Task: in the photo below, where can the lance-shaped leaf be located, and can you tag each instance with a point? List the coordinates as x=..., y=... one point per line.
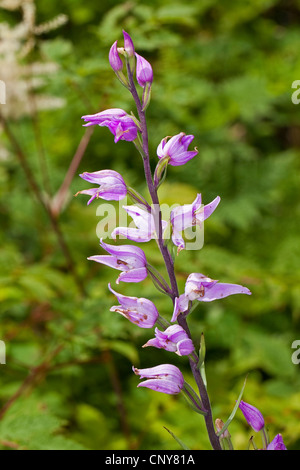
x=179, y=441
x=232, y=414
x=201, y=363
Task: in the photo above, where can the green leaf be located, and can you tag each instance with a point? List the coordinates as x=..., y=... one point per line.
x=232, y=415
x=201, y=364
x=182, y=444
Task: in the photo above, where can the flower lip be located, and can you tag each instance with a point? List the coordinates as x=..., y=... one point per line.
x=126, y=250
x=102, y=116
x=189, y=215
x=202, y=288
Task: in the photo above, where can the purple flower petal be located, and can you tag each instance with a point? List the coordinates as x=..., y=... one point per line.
x=253, y=416
x=189, y=215
x=173, y=339
x=202, y=288
x=128, y=44
x=108, y=260
x=144, y=73
x=220, y=290
x=209, y=208
x=114, y=58
x=106, y=115
x=139, y=311
x=131, y=260
x=121, y=125
x=165, y=378
x=161, y=385
x=180, y=305
x=109, y=177
x=277, y=443
x=134, y=275
x=112, y=187
x=144, y=221
x=133, y=234
x=123, y=250
x=176, y=148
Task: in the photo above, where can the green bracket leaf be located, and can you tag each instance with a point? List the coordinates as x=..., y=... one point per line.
x=233, y=411
x=182, y=444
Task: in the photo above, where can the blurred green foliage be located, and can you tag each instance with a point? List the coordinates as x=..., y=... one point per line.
x=223, y=71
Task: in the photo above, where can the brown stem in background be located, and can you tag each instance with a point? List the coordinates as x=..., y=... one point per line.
x=59, y=199
x=115, y=380
x=35, y=374
x=43, y=201
x=39, y=141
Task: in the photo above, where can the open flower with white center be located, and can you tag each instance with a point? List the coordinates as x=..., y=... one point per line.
x=173, y=339
x=176, y=149
x=189, y=215
x=144, y=222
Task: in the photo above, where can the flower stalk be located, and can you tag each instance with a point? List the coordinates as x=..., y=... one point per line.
x=168, y=258
x=175, y=335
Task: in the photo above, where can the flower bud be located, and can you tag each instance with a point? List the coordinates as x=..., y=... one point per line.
x=144, y=73
x=114, y=58
x=219, y=426
x=277, y=443
x=253, y=416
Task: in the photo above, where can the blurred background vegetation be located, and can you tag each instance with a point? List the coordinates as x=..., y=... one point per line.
x=223, y=71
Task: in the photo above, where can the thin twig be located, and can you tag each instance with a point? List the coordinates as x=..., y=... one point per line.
x=39, y=140
x=35, y=374
x=59, y=199
x=42, y=200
